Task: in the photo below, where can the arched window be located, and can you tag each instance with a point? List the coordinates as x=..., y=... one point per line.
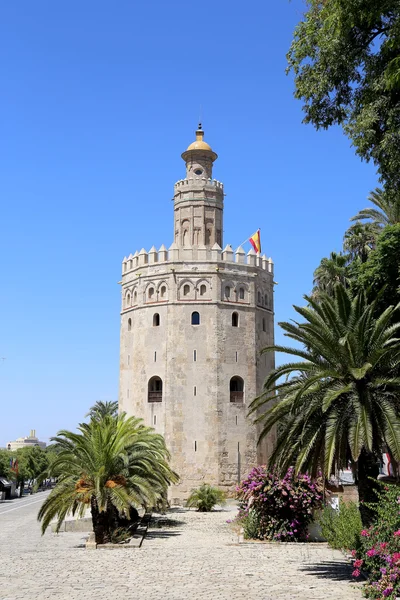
x=128, y=299
x=235, y=319
x=151, y=293
x=241, y=293
x=163, y=291
x=135, y=297
x=195, y=318
x=203, y=289
x=156, y=320
x=129, y=324
x=236, y=389
x=227, y=291
x=264, y=325
x=186, y=289
x=155, y=390
x=266, y=300
x=259, y=297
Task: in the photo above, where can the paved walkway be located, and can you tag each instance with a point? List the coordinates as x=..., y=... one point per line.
x=196, y=557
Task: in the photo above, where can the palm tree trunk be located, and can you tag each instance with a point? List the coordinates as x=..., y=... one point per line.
x=367, y=471
x=100, y=523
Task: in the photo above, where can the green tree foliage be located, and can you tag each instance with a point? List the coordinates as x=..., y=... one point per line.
x=206, y=497
x=359, y=240
x=5, y=456
x=386, y=211
x=331, y=271
x=32, y=463
x=345, y=56
x=380, y=274
x=103, y=409
x=341, y=402
x=109, y=465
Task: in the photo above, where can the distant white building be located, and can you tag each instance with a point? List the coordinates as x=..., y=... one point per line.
x=26, y=442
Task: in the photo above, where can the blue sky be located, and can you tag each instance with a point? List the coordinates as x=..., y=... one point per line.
x=97, y=102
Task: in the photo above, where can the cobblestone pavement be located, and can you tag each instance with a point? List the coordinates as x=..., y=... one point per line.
x=197, y=556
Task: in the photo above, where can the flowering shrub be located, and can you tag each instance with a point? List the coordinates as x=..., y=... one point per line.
x=277, y=508
x=378, y=548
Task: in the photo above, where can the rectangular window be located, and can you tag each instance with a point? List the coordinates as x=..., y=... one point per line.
x=194, y=355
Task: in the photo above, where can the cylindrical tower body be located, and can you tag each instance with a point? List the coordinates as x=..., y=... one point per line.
x=194, y=320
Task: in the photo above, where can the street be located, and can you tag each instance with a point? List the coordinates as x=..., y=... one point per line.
x=193, y=555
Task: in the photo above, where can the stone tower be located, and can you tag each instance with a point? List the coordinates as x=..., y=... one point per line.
x=194, y=319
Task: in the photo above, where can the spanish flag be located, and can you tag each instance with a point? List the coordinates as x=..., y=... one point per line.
x=255, y=241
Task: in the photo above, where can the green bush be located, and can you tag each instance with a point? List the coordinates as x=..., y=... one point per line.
x=341, y=527
x=205, y=498
x=251, y=525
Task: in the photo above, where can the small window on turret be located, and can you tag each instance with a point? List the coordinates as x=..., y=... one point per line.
x=163, y=291
x=151, y=293
x=198, y=172
x=227, y=292
x=203, y=290
x=241, y=293
x=186, y=290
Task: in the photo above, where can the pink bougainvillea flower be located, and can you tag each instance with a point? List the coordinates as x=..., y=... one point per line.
x=387, y=592
x=354, y=553
x=383, y=545
x=364, y=533
x=371, y=552
x=356, y=573
x=358, y=563
x=397, y=533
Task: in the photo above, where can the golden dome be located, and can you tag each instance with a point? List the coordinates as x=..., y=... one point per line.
x=199, y=144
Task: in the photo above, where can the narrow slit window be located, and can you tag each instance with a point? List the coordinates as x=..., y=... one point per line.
x=129, y=359
x=236, y=420
x=155, y=356
x=194, y=355
x=127, y=393
x=235, y=319
x=195, y=391
x=129, y=324
x=264, y=325
x=156, y=320
x=195, y=446
x=155, y=420
x=236, y=356
x=241, y=294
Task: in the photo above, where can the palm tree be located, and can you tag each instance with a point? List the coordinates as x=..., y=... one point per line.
x=386, y=213
x=341, y=403
x=101, y=409
x=360, y=239
x=110, y=465
x=331, y=270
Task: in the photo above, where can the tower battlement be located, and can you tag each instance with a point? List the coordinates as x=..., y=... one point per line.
x=196, y=254
x=200, y=181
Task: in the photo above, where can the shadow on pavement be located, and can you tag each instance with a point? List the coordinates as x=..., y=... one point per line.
x=337, y=571
x=155, y=535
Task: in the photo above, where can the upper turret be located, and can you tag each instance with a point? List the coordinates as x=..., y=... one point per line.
x=198, y=199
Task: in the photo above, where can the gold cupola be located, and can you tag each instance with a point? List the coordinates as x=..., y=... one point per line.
x=199, y=146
